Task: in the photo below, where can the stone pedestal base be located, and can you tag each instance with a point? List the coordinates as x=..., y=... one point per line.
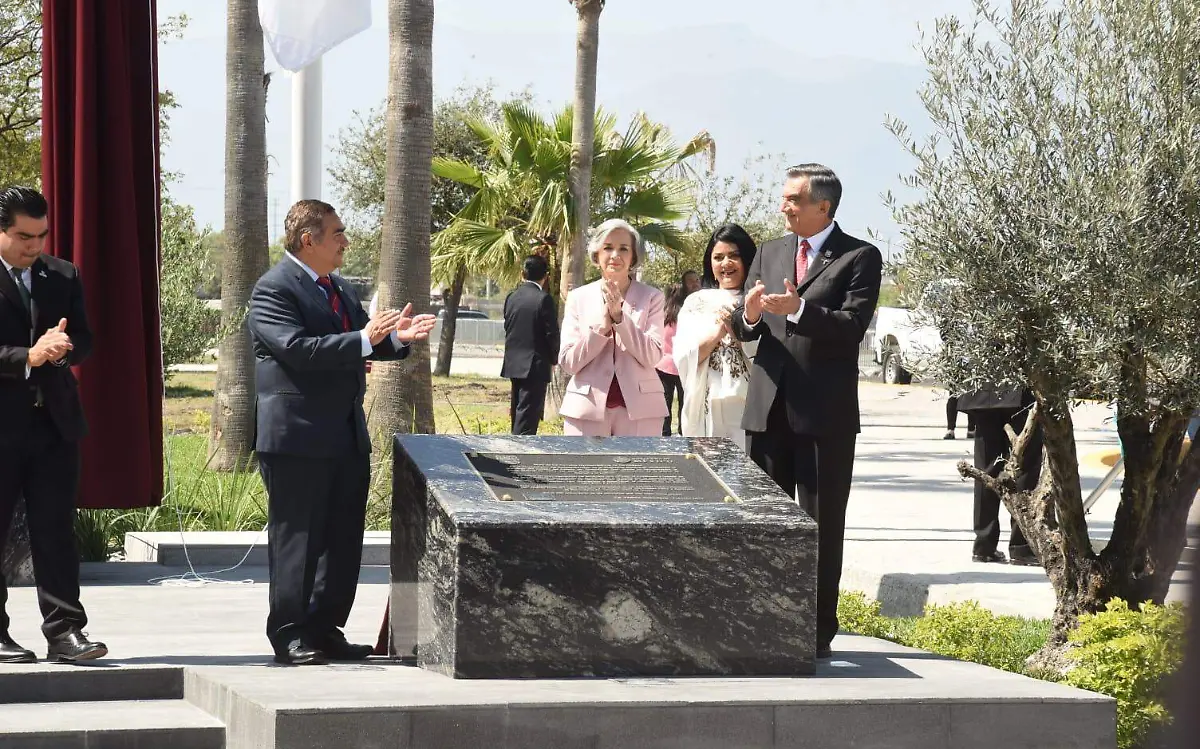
x=511, y=589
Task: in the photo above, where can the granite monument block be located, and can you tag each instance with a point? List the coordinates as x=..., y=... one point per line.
x=570, y=556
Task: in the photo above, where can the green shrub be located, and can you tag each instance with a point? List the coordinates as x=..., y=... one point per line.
x=969, y=632
x=1128, y=655
x=860, y=615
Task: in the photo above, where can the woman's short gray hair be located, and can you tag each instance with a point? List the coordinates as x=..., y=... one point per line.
x=600, y=233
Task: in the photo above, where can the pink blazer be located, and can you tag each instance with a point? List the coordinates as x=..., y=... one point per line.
x=631, y=352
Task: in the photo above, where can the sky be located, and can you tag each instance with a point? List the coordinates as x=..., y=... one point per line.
x=809, y=80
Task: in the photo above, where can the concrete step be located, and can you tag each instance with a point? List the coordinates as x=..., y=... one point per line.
x=149, y=724
x=54, y=682
x=225, y=549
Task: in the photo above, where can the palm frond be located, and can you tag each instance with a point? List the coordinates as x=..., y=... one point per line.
x=664, y=235
x=458, y=171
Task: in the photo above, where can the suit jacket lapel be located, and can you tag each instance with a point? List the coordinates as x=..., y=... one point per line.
x=830, y=251
x=8, y=287
x=789, y=271
x=38, y=281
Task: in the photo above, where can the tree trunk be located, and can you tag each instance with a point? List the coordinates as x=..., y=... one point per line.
x=231, y=439
x=583, y=130
x=450, y=323
x=1141, y=556
x=403, y=397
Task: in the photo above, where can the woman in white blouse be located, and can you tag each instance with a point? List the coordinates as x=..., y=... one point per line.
x=714, y=366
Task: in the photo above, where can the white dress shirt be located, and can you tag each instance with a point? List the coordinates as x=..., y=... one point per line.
x=367, y=348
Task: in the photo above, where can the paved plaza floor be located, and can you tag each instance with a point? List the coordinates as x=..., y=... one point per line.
x=199, y=654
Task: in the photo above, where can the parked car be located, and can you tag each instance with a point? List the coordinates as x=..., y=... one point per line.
x=466, y=314
x=907, y=340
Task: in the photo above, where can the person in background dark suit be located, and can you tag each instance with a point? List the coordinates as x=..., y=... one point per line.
x=991, y=410
x=809, y=298
x=311, y=342
x=530, y=345
x=43, y=333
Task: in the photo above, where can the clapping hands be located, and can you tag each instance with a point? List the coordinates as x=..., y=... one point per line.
x=52, y=346
x=613, y=301
x=757, y=301
x=408, y=329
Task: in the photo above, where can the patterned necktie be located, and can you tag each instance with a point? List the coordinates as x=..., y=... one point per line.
x=335, y=302
x=802, y=261
x=22, y=290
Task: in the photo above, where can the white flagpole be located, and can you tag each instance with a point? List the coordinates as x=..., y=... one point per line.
x=306, y=132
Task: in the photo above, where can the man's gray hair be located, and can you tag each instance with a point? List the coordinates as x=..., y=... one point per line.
x=600, y=233
x=823, y=184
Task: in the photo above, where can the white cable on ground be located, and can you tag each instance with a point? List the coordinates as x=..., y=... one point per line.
x=192, y=578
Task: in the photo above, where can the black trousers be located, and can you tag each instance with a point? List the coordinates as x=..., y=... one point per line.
x=952, y=415
x=316, y=513
x=818, y=469
x=526, y=404
x=44, y=469
x=671, y=385
x=992, y=448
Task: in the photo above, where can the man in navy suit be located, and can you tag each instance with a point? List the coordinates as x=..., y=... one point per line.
x=311, y=343
x=530, y=345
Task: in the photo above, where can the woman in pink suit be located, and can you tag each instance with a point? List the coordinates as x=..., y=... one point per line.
x=612, y=338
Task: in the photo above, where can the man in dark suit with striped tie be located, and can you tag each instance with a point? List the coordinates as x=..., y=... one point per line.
x=311, y=343
x=810, y=296
x=43, y=332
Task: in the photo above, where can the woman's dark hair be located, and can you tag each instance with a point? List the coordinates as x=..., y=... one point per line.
x=736, y=236
x=676, y=294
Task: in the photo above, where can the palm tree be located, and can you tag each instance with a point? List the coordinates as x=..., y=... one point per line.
x=587, y=42
x=245, y=258
x=402, y=400
x=522, y=201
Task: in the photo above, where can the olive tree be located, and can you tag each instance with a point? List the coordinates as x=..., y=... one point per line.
x=1060, y=192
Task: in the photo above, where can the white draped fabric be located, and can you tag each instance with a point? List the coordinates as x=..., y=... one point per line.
x=714, y=389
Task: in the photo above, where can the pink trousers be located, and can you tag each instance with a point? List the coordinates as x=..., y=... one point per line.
x=616, y=423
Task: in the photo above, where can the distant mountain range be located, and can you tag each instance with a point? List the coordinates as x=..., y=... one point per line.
x=752, y=93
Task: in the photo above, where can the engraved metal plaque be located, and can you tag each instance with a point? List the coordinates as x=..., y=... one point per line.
x=600, y=477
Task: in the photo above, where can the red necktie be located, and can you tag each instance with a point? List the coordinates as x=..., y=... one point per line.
x=335, y=302
x=802, y=261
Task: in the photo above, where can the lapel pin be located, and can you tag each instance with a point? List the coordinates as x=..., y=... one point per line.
x=42, y=273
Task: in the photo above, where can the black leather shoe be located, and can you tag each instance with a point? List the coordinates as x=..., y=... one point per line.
x=339, y=650
x=299, y=654
x=11, y=652
x=1028, y=559
x=995, y=557
x=74, y=646
x=824, y=652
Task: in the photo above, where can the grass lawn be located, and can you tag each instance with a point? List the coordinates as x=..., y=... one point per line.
x=461, y=404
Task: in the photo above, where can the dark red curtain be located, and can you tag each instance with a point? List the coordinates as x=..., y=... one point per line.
x=100, y=175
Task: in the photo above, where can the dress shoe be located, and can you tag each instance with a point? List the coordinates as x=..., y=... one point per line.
x=824, y=652
x=11, y=652
x=1027, y=559
x=970, y=434
x=74, y=646
x=299, y=654
x=995, y=557
x=949, y=435
x=339, y=650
